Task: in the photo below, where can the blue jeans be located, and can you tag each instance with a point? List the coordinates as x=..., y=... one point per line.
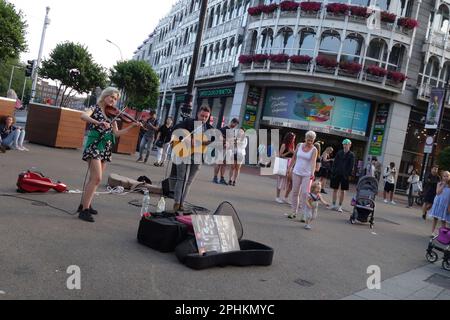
x=146, y=144
x=14, y=139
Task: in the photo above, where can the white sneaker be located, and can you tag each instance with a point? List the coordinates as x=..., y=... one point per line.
x=308, y=227
x=340, y=210
x=385, y=201
x=333, y=207
x=279, y=200
x=24, y=149
x=393, y=203
x=288, y=201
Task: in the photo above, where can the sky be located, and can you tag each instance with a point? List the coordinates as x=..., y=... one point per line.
x=90, y=22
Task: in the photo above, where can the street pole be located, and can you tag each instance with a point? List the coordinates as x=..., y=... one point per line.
x=120, y=50
x=122, y=93
x=41, y=49
x=186, y=110
x=11, y=78
x=23, y=91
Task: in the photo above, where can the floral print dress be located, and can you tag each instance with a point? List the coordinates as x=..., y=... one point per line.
x=100, y=140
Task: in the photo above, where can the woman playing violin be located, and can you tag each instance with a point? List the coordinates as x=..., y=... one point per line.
x=102, y=135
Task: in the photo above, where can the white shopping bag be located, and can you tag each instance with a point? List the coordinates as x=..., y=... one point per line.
x=280, y=167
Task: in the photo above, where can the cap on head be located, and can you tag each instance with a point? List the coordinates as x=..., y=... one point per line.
x=346, y=142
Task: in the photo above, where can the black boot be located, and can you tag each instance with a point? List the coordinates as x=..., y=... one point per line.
x=86, y=216
x=91, y=210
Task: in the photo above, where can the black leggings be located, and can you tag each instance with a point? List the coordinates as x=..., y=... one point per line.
x=411, y=198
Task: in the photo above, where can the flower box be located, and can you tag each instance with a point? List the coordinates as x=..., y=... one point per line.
x=357, y=11
x=397, y=77
x=310, y=7
x=301, y=59
x=376, y=71
x=338, y=8
x=350, y=67
x=407, y=23
x=289, y=6
x=270, y=8
x=325, y=62
x=260, y=58
x=388, y=17
x=245, y=59
x=279, y=58
x=255, y=11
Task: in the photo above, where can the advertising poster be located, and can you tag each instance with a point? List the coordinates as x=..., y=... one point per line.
x=316, y=111
x=379, y=130
x=435, y=108
x=251, y=108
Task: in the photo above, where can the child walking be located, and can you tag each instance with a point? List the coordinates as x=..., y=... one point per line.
x=439, y=211
x=312, y=204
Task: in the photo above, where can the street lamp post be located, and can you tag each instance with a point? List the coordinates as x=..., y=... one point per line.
x=41, y=48
x=186, y=110
x=120, y=50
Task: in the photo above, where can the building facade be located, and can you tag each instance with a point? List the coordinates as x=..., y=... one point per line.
x=362, y=69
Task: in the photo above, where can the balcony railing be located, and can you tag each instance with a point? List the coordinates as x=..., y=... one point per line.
x=223, y=28
x=329, y=16
x=225, y=68
x=337, y=73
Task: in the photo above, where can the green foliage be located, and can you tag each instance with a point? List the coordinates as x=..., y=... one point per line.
x=140, y=83
x=444, y=159
x=18, y=79
x=12, y=34
x=70, y=56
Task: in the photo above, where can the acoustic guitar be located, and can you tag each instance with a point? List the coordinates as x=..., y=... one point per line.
x=189, y=145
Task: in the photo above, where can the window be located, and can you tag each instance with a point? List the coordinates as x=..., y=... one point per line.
x=396, y=58
x=254, y=42
x=284, y=41
x=352, y=47
x=266, y=40
x=330, y=43
x=441, y=19
x=377, y=52
x=307, y=42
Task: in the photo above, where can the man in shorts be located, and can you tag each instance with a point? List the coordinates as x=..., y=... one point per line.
x=340, y=174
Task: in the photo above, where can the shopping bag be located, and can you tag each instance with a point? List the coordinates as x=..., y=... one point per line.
x=280, y=167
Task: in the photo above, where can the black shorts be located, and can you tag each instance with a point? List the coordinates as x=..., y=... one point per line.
x=339, y=181
x=429, y=197
x=389, y=187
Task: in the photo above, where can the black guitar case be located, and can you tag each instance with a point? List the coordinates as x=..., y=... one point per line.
x=162, y=233
x=251, y=253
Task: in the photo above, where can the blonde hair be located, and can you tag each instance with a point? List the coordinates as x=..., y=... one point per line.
x=110, y=91
x=442, y=175
x=316, y=186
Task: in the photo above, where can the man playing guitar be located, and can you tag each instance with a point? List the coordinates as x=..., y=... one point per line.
x=187, y=172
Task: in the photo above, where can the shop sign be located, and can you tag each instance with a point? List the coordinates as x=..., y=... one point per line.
x=223, y=92
x=429, y=145
x=251, y=108
x=379, y=130
x=318, y=111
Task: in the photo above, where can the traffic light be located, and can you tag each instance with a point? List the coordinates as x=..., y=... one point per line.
x=29, y=69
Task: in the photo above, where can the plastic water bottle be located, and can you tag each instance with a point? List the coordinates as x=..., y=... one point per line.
x=145, y=204
x=161, y=206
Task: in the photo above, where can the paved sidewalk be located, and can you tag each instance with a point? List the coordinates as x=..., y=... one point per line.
x=427, y=283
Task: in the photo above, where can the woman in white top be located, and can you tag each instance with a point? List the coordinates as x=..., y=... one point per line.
x=239, y=152
x=414, y=187
x=302, y=169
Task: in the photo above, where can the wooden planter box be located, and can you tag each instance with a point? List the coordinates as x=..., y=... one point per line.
x=127, y=143
x=55, y=127
x=7, y=108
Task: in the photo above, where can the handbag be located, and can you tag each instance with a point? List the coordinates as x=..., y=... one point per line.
x=280, y=167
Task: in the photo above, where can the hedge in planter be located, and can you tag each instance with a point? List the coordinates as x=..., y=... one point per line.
x=301, y=59
x=350, y=67
x=338, y=8
x=289, y=6
x=376, y=71
x=245, y=59
x=311, y=7
x=408, y=23
x=326, y=62
x=397, y=77
x=279, y=58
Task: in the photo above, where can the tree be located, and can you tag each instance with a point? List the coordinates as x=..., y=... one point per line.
x=73, y=68
x=139, y=81
x=444, y=159
x=12, y=35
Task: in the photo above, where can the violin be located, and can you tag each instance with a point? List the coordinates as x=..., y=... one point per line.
x=113, y=112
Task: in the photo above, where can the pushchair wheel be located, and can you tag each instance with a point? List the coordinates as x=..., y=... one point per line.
x=446, y=265
x=432, y=257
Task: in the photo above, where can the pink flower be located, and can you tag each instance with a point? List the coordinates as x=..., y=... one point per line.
x=338, y=8
x=351, y=67
x=280, y=58
x=303, y=59
x=326, y=62
x=376, y=71
x=245, y=59
x=408, y=23
x=397, y=77
x=310, y=6
x=289, y=6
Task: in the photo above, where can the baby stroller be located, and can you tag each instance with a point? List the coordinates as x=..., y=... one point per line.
x=364, y=202
x=440, y=243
